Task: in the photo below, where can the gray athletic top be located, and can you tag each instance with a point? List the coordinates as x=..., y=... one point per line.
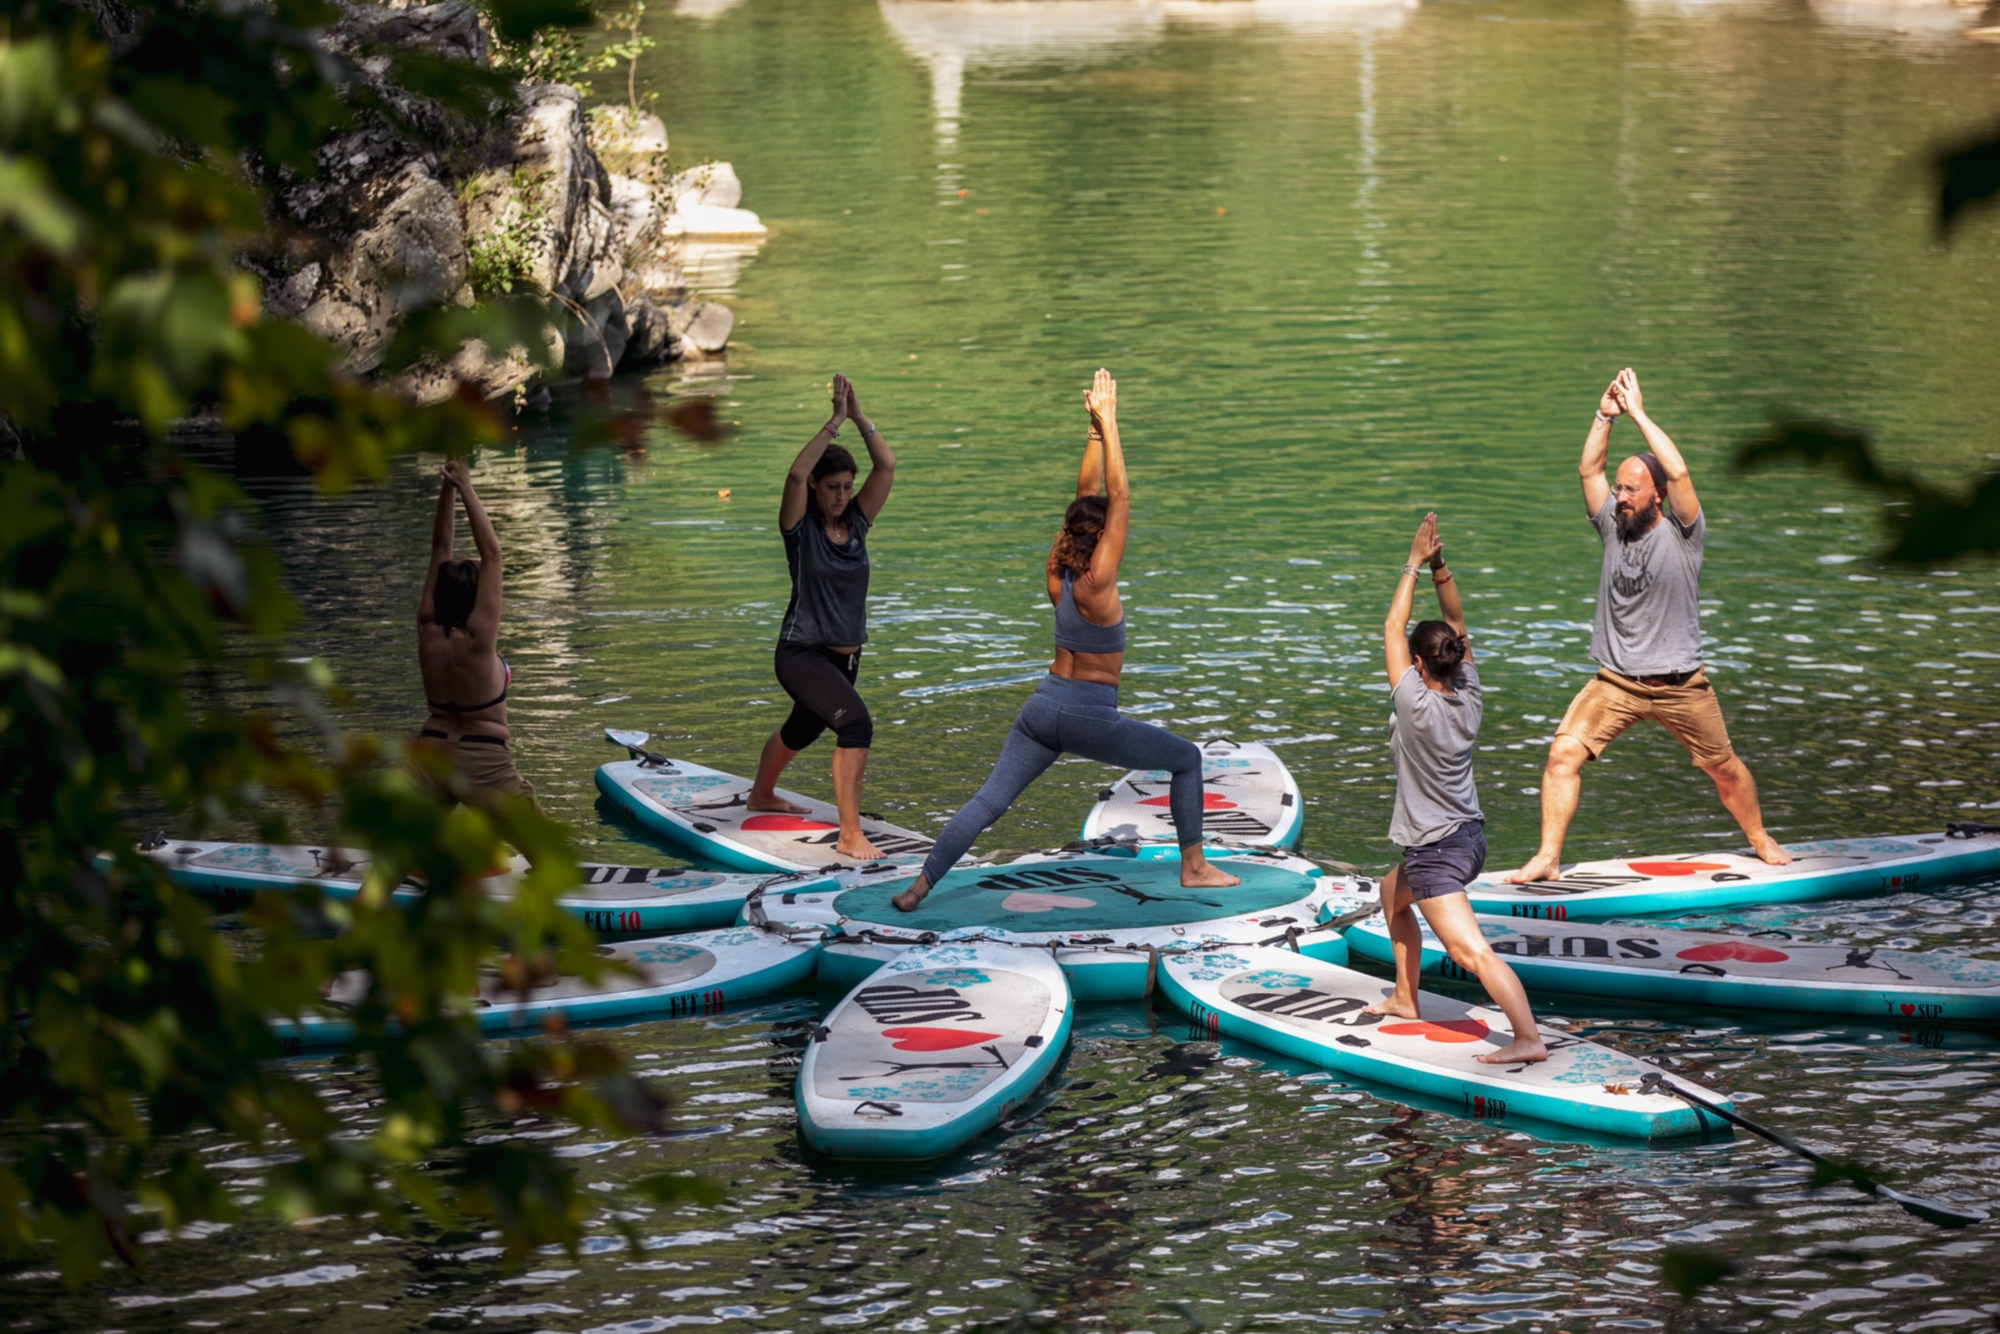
x=1078, y=635
x=829, y=603
x=1431, y=736
x=1648, y=620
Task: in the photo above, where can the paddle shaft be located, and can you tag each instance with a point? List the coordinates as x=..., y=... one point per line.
x=1942, y=1214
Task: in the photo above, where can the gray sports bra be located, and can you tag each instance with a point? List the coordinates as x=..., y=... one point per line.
x=1076, y=634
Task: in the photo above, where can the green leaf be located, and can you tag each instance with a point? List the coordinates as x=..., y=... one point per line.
x=1689, y=1269
x=28, y=202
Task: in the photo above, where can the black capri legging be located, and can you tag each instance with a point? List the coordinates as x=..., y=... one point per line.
x=821, y=684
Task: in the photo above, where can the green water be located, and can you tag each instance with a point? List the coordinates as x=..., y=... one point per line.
x=1349, y=263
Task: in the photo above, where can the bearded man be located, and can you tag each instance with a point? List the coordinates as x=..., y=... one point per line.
x=1646, y=635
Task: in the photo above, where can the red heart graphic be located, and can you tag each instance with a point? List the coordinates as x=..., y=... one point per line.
x=1675, y=868
x=786, y=824
x=1209, y=802
x=1454, y=1030
x=1732, y=949
x=935, y=1039
x=1909, y=1009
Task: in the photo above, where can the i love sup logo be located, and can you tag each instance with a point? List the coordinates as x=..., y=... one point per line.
x=935, y=1039
x=1740, y=950
x=1452, y=1030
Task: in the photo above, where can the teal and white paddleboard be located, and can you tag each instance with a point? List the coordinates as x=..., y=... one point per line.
x=621, y=900
x=932, y=1050
x=1249, y=799
x=1312, y=1010
x=698, y=973
x=701, y=812
x=1715, y=968
x=1696, y=882
x=1107, y=918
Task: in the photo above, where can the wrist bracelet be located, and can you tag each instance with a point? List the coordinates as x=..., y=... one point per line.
x=1440, y=583
x=1604, y=419
x=831, y=430
x=1410, y=570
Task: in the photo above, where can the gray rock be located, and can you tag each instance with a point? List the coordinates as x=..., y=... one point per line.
x=713, y=183
x=650, y=339
x=413, y=256
x=629, y=144
x=701, y=326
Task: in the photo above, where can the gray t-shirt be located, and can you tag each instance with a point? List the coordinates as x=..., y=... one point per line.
x=1431, y=736
x=829, y=605
x=1648, y=620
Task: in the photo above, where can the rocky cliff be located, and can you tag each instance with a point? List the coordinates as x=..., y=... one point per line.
x=415, y=207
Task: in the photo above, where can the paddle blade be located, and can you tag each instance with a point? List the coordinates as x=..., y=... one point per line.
x=1931, y=1211
x=618, y=736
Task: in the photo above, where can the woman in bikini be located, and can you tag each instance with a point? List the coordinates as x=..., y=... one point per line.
x=458, y=636
x=825, y=522
x=1437, y=707
x=1075, y=709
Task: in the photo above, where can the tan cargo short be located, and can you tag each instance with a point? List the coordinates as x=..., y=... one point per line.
x=1610, y=703
x=487, y=765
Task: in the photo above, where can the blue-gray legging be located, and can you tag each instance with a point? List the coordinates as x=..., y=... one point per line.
x=1080, y=717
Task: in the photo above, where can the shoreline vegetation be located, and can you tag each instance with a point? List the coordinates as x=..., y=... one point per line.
x=414, y=208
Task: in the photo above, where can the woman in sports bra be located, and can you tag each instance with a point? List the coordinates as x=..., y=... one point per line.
x=825, y=522
x=1075, y=709
x=458, y=634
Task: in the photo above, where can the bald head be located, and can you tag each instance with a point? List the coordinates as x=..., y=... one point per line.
x=1639, y=488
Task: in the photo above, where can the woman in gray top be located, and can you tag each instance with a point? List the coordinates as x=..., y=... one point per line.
x=1075, y=708
x=825, y=523
x=1437, y=819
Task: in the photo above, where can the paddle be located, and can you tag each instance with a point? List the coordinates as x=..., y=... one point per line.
x=634, y=743
x=1930, y=1211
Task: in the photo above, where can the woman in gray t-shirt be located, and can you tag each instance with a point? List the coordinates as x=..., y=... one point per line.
x=1435, y=688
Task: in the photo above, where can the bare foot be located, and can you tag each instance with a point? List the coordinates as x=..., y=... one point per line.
x=1543, y=866
x=1768, y=851
x=909, y=899
x=1519, y=1051
x=1396, y=1006
x=857, y=848
x=1207, y=877
x=753, y=800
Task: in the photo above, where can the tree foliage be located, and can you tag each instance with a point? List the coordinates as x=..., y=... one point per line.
x=1926, y=522
x=140, y=666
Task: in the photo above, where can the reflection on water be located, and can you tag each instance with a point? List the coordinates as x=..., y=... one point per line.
x=1350, y=263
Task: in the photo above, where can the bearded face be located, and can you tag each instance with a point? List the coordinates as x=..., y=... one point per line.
x=1635, y=522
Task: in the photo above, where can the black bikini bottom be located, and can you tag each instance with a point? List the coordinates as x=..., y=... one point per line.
x=470, y=738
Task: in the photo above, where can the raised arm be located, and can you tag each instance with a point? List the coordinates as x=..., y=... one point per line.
x=1090, y=474
x=1102, y=400
x=1596, y=445
x=441, y=542
x=1680, y=486
x=1446, y=586
x=1396, y=625
x=792, y=508
x=874, y=493
x=484, y=623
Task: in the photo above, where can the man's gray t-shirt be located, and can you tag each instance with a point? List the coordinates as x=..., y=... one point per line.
x=1648, y=620
x=1430, y=736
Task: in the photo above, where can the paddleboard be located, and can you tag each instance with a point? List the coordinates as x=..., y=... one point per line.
x=932, y=1050
x=1248, y=796
x=1696, y=881
x=620, y=900
x=1715, y=968
x=1312, y=1010
x=1106, y=917
x=697, y=973
x=701, y=812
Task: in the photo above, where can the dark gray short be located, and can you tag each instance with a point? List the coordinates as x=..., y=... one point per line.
x=1448, y=865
